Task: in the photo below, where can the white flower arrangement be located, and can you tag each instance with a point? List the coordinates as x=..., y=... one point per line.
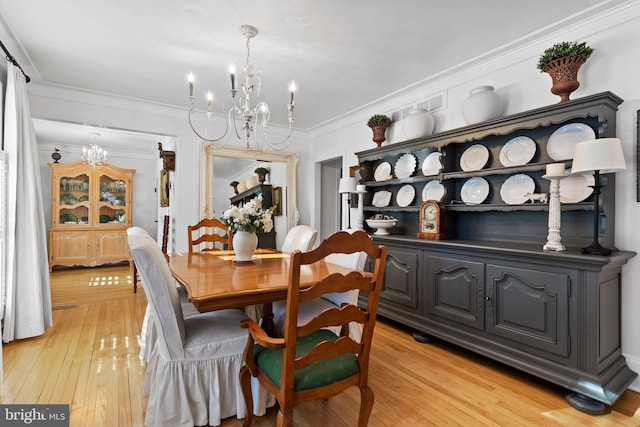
x=250, y=218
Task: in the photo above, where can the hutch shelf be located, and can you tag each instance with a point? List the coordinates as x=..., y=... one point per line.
x=490, y=287
x=90, y=214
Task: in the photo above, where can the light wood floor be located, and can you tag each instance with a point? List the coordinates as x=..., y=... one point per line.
x=89, y=359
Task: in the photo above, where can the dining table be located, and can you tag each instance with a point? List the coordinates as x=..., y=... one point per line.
x=215, y=281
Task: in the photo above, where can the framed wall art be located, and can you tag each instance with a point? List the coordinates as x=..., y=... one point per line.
x=276, y=197
x=164, y=188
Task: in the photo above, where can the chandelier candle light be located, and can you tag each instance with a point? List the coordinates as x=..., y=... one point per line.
x=250, y=116
x=94, y=156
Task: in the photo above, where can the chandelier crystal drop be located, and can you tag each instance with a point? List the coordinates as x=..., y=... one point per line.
x=94, y=156
x=253, y=119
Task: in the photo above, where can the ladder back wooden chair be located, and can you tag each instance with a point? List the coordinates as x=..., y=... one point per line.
x=214, y=232
x=311, y=362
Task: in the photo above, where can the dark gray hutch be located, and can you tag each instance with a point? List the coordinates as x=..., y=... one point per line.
x=490, y=287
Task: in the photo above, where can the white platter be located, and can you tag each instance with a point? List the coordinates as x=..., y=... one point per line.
x=518, y=151
x=575, y=188
x=405, y=165
x=431, y=164
x=474, y=158
x=434, y=190
x=405, y=195
x=382, y=172
x=562, y=142
x=515, y=188
x=474, y=190
x=381, y=199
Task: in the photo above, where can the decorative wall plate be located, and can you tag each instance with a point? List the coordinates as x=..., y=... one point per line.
x=518, y=151
x=405, y=165
x=562, y=142
x=474, y=158
x=431, y=164
x=474, y=190
x=434, y=190
x=405, y=195
x=381, y=199
x=382, y=172
x=515, y=188
x=575, y=188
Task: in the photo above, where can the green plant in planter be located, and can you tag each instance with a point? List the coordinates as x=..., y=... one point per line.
x=563, y=50
x=379, y=120
x=261, y=170
x=562, y=62
x=234, y=183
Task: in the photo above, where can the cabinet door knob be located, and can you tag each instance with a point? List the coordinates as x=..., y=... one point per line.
x=488, y=298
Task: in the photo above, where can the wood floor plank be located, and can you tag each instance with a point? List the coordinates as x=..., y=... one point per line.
x=89, y=360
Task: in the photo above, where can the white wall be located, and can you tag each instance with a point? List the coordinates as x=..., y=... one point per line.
x=613, y=67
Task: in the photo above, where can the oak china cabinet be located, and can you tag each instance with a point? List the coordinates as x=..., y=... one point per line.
x=90, y=214
x=489, y=286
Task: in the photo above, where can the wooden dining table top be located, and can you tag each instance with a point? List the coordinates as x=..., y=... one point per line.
x=214, y=281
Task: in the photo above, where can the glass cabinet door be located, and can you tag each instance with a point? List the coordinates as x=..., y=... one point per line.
x=73, y=200
x=113, y=199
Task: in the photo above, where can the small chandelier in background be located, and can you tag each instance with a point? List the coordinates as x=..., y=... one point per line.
x=250, y=116
x=94, y=156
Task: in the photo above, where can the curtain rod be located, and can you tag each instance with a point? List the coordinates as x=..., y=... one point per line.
x=11, y=59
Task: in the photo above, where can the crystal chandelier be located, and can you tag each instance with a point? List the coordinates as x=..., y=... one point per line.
x=253, y=119
x=94, y=156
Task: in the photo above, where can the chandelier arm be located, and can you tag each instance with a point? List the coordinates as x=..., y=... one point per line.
x=202, y=137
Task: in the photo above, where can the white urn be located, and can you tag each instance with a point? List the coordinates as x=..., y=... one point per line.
x=417, y=124
x=481, y=105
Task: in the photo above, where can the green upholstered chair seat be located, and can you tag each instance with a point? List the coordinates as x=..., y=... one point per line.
x=317, y=374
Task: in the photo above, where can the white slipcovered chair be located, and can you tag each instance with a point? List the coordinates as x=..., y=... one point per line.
x=148, y=333
x=309, y=309
x=300, y=237
x=192, y=372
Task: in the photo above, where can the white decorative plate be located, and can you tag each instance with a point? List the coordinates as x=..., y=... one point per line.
x=382, y=171
x=474, y=190
x=434, y=190
x=518, y=151
x=474, y=158
x=515, y=188
x=562, y=142
x=575, y=188
x=405, y=195
x=381, y=199
x=405, y=165
x=431, y=164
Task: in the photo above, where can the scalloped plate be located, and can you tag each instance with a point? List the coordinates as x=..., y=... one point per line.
x=517, y=151
x=405, y=165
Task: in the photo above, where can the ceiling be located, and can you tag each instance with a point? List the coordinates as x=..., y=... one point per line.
x=342, y=54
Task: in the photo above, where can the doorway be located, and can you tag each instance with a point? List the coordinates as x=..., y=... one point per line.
x=330, y=206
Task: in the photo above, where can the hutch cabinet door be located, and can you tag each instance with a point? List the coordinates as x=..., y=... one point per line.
x=455, y=290
x=530, y=307
x=71, y=248
x=401, y=278
x=111, y=246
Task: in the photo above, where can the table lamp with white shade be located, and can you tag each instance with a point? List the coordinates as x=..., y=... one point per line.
x=347, y=186
x=602, y=155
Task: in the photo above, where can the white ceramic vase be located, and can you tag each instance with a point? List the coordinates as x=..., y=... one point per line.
x=244, y=245
x=481, y=105
x=417, y=124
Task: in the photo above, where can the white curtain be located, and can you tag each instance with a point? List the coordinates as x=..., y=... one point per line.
x=27, y=296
